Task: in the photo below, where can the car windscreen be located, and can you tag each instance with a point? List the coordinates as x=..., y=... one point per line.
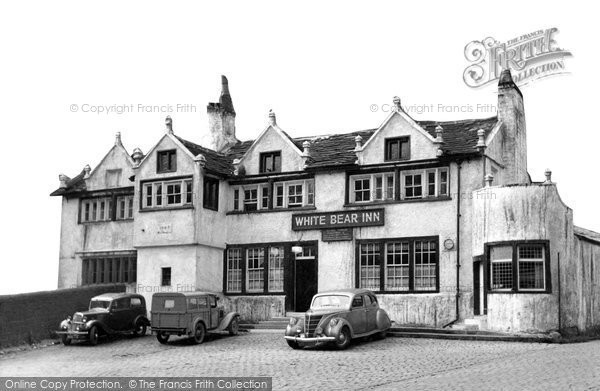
x=330, y=301
x=99, y=304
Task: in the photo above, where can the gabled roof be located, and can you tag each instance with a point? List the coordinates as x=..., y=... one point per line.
x=327, y=151
x=586, y=234
x=216, y=162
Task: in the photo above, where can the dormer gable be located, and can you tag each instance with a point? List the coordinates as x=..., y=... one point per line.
x=113, y=171
x=399, y=138
x=272, y=151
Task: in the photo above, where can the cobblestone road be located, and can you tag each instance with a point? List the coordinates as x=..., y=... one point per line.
x=391, y=364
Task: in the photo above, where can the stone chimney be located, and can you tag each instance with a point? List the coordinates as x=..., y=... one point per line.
x=221, y=120
x=511, y=113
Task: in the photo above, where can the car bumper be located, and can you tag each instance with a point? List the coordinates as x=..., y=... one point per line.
x=74, y=334
x=310, y=340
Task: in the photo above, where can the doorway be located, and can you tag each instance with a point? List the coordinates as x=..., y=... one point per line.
x=479, y=296
x=305, y=278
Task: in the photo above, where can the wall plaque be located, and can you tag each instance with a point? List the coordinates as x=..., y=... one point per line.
x=337, y=234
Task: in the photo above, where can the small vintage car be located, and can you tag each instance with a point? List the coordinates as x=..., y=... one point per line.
x=190, y=314
x=108, y=314
x=337, y=317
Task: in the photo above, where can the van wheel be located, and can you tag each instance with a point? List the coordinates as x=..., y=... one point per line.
x=199, y=333
x=234, y=326
x=93, y=334
x=343, y=340
x=140, y=328
x=65, y=340
x=162, y=337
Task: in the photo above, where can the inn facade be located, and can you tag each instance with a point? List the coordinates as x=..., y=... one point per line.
x=440, y=219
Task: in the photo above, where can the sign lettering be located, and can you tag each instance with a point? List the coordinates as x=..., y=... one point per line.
x=355, y=218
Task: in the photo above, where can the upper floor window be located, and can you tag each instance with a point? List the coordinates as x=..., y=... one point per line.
x=291, y=194
x=519, y=267
x=270, y=162
x=372, y=187
x=397, y=148
x=162, y=194
x=101, y=208
x=166, y=161
x=424, y=183
x=210, y=198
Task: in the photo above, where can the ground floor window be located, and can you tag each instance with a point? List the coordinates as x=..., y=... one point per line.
x=110, y=269
x=519, y=267
x=398, y=265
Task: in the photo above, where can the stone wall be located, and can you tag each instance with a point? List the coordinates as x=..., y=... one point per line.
x=29, y=317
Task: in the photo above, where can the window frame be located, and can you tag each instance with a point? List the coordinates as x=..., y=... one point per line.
x=372, y=190
x=263, y=162
x=399, y=140
x=515, y=244
x=207, y=201
x=159, y=196
x=383, y=269
x=108, y=269
x=164, y=275
x=277, y=199
x=171, y=164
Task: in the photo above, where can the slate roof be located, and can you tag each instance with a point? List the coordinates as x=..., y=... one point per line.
x=216, y=162
x=74, y=185
x=329, y=151
x=586, y=234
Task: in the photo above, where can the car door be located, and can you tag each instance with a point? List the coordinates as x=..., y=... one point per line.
x=358, y=315
x=204, y=310
x=214, y=312
x=371, y=310
x=118, y=318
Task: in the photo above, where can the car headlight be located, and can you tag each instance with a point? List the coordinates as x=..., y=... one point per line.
x=333, y=322
x=293, y=321
x=318, y=330
x=84, y=319
x=69, y=317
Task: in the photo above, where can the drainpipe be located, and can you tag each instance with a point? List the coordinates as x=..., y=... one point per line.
x=458, y=197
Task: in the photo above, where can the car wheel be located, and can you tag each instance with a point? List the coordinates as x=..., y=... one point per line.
x=140, y=328
x=382, y=334
x=93, y=334
x=162, y=337
x=234, y=326
x=65, y=340
x=199, y=333
x=343, y=340
x=294, y=345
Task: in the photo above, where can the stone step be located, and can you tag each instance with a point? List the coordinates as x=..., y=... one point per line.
x=473, y=337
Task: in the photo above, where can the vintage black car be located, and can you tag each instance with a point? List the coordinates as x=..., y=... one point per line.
x=190, y=314
x=108, y=314
x=337, y=317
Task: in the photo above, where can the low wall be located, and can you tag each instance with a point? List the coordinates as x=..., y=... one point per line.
x=434, y=310
x=256, y=308
x=29, y=317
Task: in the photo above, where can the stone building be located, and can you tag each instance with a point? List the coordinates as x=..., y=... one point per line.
x=440, y=219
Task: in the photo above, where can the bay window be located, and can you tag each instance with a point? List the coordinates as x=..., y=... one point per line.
x=519, y=267
x=372, y=187
x=424, y=183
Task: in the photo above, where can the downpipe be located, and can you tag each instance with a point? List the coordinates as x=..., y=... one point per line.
x=458, y=197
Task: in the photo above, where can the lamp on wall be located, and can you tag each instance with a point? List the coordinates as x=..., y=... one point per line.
x=297, y=249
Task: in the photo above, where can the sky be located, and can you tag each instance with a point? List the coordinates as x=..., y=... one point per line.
x=322, y=67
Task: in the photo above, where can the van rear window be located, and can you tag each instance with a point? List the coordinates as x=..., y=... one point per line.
x=169, y=303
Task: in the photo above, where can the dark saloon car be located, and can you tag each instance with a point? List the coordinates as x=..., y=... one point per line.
x=190, y=314
x=337, y=317
x=108, y=314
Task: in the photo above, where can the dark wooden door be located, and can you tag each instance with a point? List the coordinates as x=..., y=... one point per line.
x=305, y=280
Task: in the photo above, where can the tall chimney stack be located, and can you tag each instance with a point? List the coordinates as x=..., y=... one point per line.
x=511, y=113
x=221, y=120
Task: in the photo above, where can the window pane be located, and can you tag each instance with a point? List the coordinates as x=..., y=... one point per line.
x=276, y=269
x=501, y=267
x=255, y=269
x=236, y=199
x=265, y=197
x=279, y=196
x=531, y=267
x=370, y=266
x=294, y=195
x=397, y=266
x=425, y=265
x=250, y=199
x=234, y=270
x=310, y=192
x=362, y=190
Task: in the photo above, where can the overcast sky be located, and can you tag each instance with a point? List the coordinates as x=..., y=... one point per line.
x=319, y=65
